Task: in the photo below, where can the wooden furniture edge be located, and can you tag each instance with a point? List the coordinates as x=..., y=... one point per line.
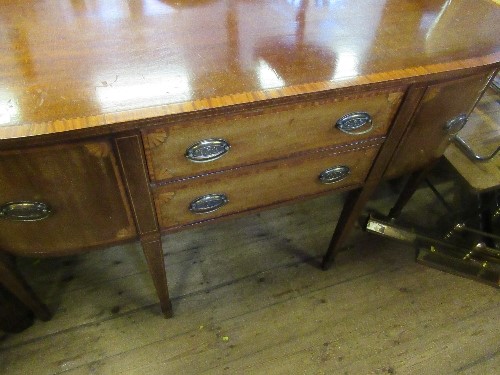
x=240, y=101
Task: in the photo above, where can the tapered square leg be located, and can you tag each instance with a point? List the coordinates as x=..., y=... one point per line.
x=133, y=163
x=13, y=281
x=353, y=206
x=154, y=256
x=410, y=187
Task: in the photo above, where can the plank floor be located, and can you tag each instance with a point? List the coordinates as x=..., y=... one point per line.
x=249, y=298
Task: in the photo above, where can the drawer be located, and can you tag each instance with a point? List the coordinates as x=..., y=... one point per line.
x=60, y=199
x=259, y=186
x=268, y=134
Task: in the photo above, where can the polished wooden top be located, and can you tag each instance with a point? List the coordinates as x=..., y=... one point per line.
x=71, y=64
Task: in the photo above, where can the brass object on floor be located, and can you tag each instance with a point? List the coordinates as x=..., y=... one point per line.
x=480, y=262
x=485, y=272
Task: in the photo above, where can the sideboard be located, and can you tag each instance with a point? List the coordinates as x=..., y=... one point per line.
x=125, y=120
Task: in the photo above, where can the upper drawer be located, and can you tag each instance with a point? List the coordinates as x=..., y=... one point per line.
x=221, y=194
x=272, y=133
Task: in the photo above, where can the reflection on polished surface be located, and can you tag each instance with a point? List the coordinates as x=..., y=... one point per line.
x=268, y=77
x=8, y=108
x=80, y=58
x=452, y=15
x=173, y=83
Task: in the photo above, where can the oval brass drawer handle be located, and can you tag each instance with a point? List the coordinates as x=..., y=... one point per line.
x=25, y=211
x=334, y=174
x=207, y=150
x=208, y=203
x=355, y=123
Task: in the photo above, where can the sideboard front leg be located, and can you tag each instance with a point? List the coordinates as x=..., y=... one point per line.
x=353, y=206
x=133, y=166
x=154, y=256
x=12, y=280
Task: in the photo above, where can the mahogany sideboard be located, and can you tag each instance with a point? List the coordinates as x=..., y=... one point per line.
x=125, y=120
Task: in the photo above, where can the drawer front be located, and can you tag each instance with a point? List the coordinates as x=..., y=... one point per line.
x=221, y=194
x=226, y=142
x=443, y=110
x=62, y=198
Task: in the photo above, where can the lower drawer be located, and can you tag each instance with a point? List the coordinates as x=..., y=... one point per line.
x=220, y=194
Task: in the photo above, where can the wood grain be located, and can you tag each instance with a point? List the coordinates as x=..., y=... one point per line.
x=378, y=312
x=131, y=157
x=82, y=185
x=272, y=133
x=71, y=70
x=261, y=186
x=357, y=199
x=110, y=63
x=426, y=139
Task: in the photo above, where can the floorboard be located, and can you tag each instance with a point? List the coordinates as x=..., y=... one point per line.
x=249, y=298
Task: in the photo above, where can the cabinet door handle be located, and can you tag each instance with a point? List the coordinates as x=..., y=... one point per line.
x=25, y=211
x=334, y=174
x=454, y=125
x=355, y=123
x=208, y=203
x=207, y=150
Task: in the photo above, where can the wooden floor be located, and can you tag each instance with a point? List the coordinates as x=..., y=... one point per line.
x=249, y=298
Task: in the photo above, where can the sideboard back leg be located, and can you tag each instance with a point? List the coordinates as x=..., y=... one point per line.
x=12, y=280
x=133, y=166
x=409, y=189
